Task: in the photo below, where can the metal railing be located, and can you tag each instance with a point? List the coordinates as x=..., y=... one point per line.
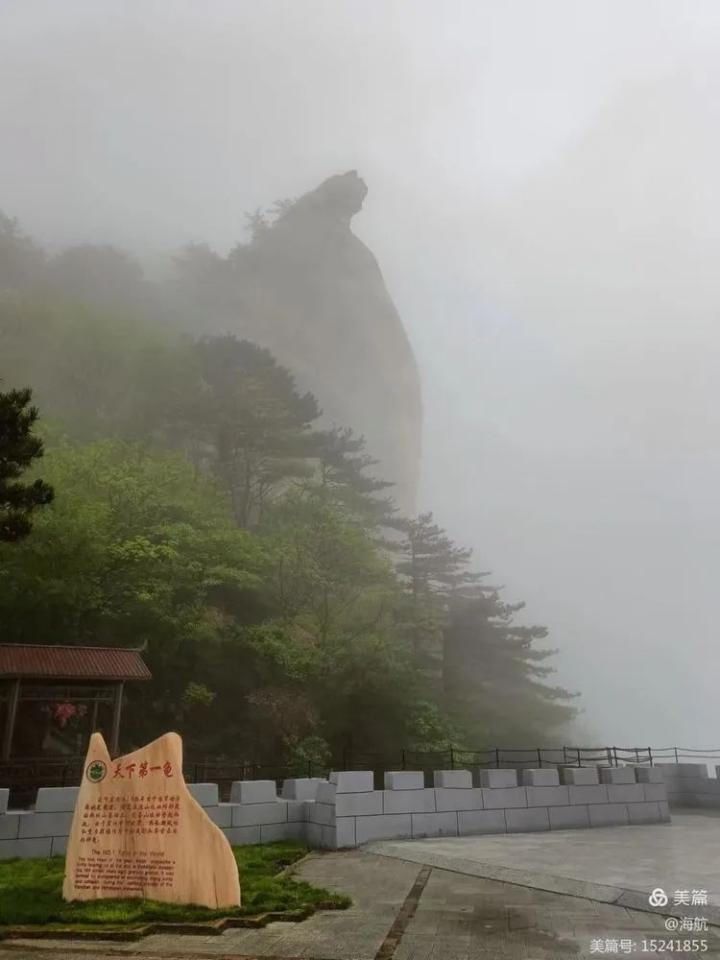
x=24, y=775
x=224, y=771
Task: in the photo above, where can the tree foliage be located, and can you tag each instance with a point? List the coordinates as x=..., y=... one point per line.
x=343, y=466
x=493, y=674
x=99, y=275
x=244, y=420
x=19, y=448
x=21, y=261
x=202, y=508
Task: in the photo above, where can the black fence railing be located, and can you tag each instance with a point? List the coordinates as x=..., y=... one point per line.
x=224, y=771
x=24, y=776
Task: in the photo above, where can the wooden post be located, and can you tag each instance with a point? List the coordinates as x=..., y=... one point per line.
x=117, y=710
x=11, y=717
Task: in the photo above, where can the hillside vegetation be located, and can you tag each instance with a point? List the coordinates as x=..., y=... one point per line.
x=204, y=508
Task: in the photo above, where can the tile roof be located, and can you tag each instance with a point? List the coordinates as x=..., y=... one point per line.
x=71, y=663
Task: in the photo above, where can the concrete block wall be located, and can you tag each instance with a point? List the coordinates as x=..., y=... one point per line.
x=346, y=810
x=689, y=784
x=41, y=832
x=453, y=807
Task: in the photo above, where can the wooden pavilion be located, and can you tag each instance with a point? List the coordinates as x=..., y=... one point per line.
x=52, y=698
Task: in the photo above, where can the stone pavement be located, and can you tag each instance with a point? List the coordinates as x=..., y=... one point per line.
x=406, y=911
x=611, y=864
x=464, y=918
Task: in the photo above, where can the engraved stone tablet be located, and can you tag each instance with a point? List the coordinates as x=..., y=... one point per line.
x=137, y=832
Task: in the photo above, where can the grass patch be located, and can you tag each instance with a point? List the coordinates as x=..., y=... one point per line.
x=31, y=894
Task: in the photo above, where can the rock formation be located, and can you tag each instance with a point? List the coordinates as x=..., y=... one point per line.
x=138, y=832
x=309, y=290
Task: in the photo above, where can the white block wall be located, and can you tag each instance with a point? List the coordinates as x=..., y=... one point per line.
x=346, y=810
x=689, y=784
x=453, y=807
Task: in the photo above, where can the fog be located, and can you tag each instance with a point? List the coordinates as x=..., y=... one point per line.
x=542, y=202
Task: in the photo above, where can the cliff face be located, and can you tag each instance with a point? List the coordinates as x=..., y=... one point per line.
x=309, y=290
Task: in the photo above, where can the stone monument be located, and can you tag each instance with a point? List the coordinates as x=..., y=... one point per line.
x=137, y=832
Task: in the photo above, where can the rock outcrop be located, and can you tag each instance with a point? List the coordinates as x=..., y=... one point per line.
x=138, y=832
x=309, y=290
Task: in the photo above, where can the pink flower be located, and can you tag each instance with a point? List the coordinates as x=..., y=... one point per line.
x=63, y=713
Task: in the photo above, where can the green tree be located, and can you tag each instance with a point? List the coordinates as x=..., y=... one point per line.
x=244, y=420
x=433, y=568
x=98, y=275
x=429, y=561
x=135, y=549
x=486, y=671
x=327, y=571
x=343, y=474
x=21, y=261
x=335, y=593
x=494, y=675
x=19, y=449
x=96, y=372
x=324, y=626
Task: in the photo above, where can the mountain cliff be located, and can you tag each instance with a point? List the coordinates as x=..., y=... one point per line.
x=309, y=290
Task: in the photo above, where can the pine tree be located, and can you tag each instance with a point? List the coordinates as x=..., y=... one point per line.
x=432, y=562
x=245, y=421
x=343, y=466
x=18, y=449
x=433, y=569
x=493, y=675
x=21, y=262
x=487, y=673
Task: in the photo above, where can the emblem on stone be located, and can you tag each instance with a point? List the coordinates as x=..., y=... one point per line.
x=96, y=771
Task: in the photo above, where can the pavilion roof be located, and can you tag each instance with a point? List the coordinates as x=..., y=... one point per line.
x=33, y=661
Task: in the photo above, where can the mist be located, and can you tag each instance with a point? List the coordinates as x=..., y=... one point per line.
x=542, y=203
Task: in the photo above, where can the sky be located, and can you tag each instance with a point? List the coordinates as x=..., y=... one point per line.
x=543, y=204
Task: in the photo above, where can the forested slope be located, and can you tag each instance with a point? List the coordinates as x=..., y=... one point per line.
x=204, y=507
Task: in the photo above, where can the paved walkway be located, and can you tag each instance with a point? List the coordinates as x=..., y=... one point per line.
x=611, y=864
x=406, y=911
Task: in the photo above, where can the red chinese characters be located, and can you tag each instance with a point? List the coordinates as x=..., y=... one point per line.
x=134, y=816
x=143, y=769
